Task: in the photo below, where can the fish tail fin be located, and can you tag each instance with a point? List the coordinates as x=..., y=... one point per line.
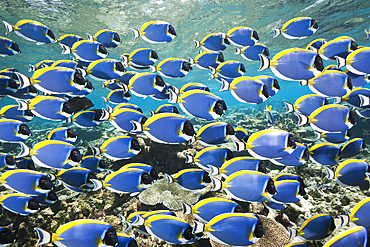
x=69, y=120
x=102, y=84
x=265, y=62
x=238, y=51
x=153, y=69
x=341, y=62
x=302, y=119
x=197, y=44
x=95, y=150
x=31, y=68
x=225, y=85
x=212, y=76
x=125, y=87
x=364, y=100
x=109, y=109
x=191, y=61
x=277, y=32
x=104, y=99
x=9, y=27
x=342, y=221
x=337, y=100
x=216, y=184
x=213, y=70
x=23, y=105
x=330, y=173
x=66, y=49
x=135, y=33
x=189, y=158
x=367, y=33
x=139, y=221
x=24, y=80
x=169, y=179
x=241, y=146
x=124, y=61
x=127, y=225
x=198, y=227
x=317, y=136
x=292, y=233
x=89, y=37
x=97, y=184
x=174, y=98
x=105, y=116
x=44, y=237
x=213, y=170
x=303, y=83
x=192, y=140
x=186, y=208
x=152, y=113
x=289, y=107
x=138, y=127
x=25, y=150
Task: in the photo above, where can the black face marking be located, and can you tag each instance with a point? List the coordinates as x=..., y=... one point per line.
x=6, y=236
x=229, y=154
x=24, y=130
x=354, y=46
x=206, y=177
x=9, y=160
x=71, y=133
x=15, y=47
x=221, y=58
x=32, y=89
x=103, y=50
x=220, y=107
x=314, y=24
x=271, y=187
x=51, y=34
x=352, y=118
x=127, y=95
x=135, y=145
x=67, y=108
x=175, y=110
x=28, y=113
x=98, y=114
x=45, y=183
x=255, y=35
x=349, y=83
x=188, y=233
x=326, y=102
x=258, y=231
x=302, y=192
x=52, y=196
x=238, y=209
x=226, y=41
x=90, y=175
x=291, y=142
x=186, y=66
x=363, y=144
x=305, y=155
x=266, y=52
x=154, y=55
x=132, y=243
x=265, y=91
x=119, y=67
x=143, y=120
x=78, y=78
x=75, y=155
x=146, y=178
x=276, y=84
x=171, y=30
x=12, y=84
x=230, y=130
x=33, y=204
x=262, y=167
x=116, y=37
x=242, y=68
x=319, y=64
x=30, y=165
x=188, y=128
x=102, y=164
x=154, y=174
x=159, y=81
x=110, y=237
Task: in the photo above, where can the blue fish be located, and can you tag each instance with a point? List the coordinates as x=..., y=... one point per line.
x=171, y=229
x=6, y=236
x=13, y=131
x=8, y=85
x=125, y=240
x=119, y=147
x=350, y=237
x=166, y=108
x=239, y=164
x=152, y=172
x=316, y=44
x=63, y=134
x=190, y=179
x=105, y=69
x=89, y=118
x=172, y=68
x=298, y=157
x=112, y=84
x=242, y=134
x=255, y=190
x=247, y=89
x=47, y=198
x=206, y=59
x=71, y=64
x=93, y=163
x=48, y=107
x=117, y=96
x=326, y=154
x=316, y=227
x=293, y=64
x=340, y=46
x=236, y=229
x=358, y=81
x=338, y=137
x=288, y=191
x=364, y=113
x=83, y=233
x=200, y=104
x=80, y=178
x=27, y=182
x=129, y=106
x=296, y=244
x=52, y=154
x=40, y=65
x=146, y=84
x=8, y=47
x=108, y=38
x=27, y=93
x=208, y=208
x=213, y=42
x=121, y=119
x=128, y=181
x=329, y=83
x=12, y=112
x=215, y=134
x=251, y=53
x=155, y=32
x=24, y=163
x=352, y=148
x=298, y=28
x=32, y=31
x=351, y=172
x=359, y=214
x=329, y=118
x=306, y=104
x=19, y=204
x=215, y=156
x=192, y=86
x=242, y=36
x=142, y=58
x=229, y=69
x=356, y=61
x=86, y=50
x=269, y=144
x=168, y=128
x=69, y=39
x=125, y=78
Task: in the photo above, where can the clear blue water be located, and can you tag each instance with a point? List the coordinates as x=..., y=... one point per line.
x=192, y=19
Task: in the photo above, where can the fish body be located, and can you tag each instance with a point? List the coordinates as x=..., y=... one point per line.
x=105, y=69
x=32, y=31
x=352, y=172
x=13, y=131
x=121, y=119
x=87, y=119
x=192, y=179
x=146, y=84
x=26, y=182
x=242, y=134
x=357, y=60
x=338, y=137
x=242, y=36
x=230, y=69
x=326, y=154
x=63, y=134
x=77, y=177
x=316, y=44
x=80, y=233
x=129, y=106
x=272, y=84
x=148, y=168
x=69, y=39
x=317, y=227
x=340, y=46
x=207, y=59
x=125, y=240
x=358, y=81
x=155, y=32
x=287, y=191
x=251, y=53
x=214, y=156
x=142, y=57
x=306, y=104
x=240, y=163
x=213, y=42
x=173, y=68
x=352, y=148
x=192, y=86
x=215, y=133
x=87, y=51
x=8, y=47
x=297, y=158
x=93, y=163
x=359, y=214
x=12, y=112
x=124, y=79
x=26, y=93
x=19, y=204
x=166, y=108
x=356, y=236
x=108, y=38
x=298, y=28
x=120, y=147
x=117, y=96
